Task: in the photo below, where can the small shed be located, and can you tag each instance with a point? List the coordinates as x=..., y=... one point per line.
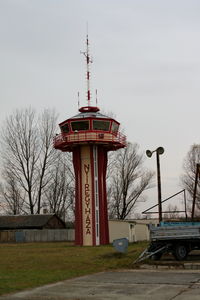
x=16, y=222
x=133, y=230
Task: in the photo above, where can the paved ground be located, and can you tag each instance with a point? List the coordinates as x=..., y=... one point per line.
x=126, y=285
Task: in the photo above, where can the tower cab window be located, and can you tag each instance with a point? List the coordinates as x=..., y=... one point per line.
x=101, y=125
x=115, y=127
x=80, y=125
x=65, y=128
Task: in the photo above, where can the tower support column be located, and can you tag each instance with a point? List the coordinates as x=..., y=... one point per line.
x=91, y=225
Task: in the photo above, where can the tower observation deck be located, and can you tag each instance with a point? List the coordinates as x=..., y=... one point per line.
x=89, y=126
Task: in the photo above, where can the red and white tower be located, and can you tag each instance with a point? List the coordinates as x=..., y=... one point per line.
x=89, y=135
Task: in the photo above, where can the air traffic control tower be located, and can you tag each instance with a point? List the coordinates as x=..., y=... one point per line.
x=89, y=135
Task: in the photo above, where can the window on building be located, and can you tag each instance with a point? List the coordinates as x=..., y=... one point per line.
x=65, y=128
x=101, y=125
x=80, y=125
x=115, y=127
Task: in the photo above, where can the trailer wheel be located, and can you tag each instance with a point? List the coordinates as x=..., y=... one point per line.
x=180, y=252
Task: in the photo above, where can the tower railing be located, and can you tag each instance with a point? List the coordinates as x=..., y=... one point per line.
x=89, y=136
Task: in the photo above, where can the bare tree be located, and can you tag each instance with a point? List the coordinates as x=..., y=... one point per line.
x=20, y=151
x=127, y=181
x=189, y=166
x=27, y=153
x=59, y=195
x=172, y=212
x=47, y=155
x=12, y=199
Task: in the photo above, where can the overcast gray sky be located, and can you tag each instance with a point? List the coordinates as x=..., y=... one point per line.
x=146, y=68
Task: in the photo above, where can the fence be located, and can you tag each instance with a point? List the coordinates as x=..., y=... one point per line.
x=31, y=236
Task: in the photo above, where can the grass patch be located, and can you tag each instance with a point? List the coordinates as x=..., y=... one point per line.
x=29, y=265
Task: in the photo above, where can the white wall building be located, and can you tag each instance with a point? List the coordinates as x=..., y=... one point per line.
x=133, y=230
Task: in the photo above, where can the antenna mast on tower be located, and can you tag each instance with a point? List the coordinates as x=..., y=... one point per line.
x=88, y=61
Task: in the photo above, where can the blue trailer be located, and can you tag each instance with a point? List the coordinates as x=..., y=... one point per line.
x=177, y=238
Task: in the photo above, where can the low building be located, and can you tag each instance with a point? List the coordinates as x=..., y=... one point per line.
x=133, y=230
x=46, y=221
